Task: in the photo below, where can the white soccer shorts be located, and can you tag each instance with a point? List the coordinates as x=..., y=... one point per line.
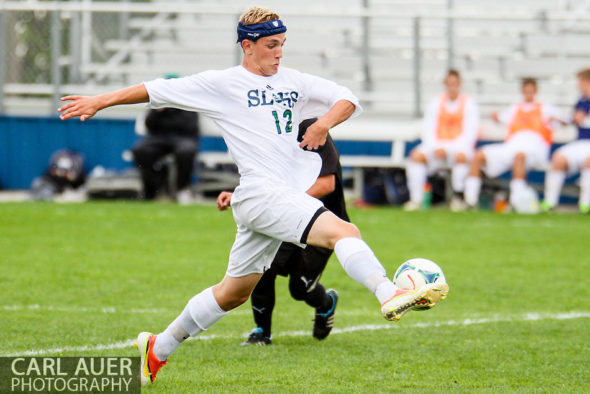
x=576, y=154
x=269, y=216
x=500, y=157
x=452, y=151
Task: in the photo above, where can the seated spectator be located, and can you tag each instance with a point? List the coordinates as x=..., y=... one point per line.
x=65, y=172
x=528, y=139
x=575, y=156
x=174, y=131
x=449, y=134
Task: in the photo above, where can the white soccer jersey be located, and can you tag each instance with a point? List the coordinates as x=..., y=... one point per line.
x=258, y=117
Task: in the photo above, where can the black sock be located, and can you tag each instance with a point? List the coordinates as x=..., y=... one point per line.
x=319, y=299
x=263, y=302
x=263, y=320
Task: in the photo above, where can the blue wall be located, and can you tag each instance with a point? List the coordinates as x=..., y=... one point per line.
x=26, y=143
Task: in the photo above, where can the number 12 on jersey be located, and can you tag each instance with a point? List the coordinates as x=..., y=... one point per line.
x=286, y=115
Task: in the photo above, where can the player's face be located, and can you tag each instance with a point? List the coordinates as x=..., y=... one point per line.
x=584, y=86
x=267, y=53
x=453, y=86
x=529, y=91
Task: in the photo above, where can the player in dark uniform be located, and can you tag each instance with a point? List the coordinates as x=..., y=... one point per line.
x=303, y=266
x=573, y=157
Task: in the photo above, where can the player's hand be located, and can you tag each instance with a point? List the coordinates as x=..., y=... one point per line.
x=224, y=200
x=579, y=117
x=553, y=119
x=84, y=107
x=495, y=116
x=440, y=154
x=315, y=136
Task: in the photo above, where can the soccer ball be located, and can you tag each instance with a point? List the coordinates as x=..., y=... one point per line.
x=527, y=201
x=415, y=273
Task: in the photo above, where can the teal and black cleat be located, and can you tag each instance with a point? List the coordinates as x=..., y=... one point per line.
x=257, y=337
x=324, y=322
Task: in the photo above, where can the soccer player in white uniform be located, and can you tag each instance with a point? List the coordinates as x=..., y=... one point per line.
x=575, y=156
x=528, y=139
x=258, y=105
x=449, y=134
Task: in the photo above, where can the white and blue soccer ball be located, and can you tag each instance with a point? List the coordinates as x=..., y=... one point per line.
x=415, y=273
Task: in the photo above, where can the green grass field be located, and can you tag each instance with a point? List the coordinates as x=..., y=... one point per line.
x=85, y=279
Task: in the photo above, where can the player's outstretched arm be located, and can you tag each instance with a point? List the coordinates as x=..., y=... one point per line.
x=86, y=107
x=316, y=134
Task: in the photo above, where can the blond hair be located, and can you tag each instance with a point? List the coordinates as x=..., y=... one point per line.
x=256, y=15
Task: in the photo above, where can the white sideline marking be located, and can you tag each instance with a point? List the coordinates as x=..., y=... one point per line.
x=365, y=327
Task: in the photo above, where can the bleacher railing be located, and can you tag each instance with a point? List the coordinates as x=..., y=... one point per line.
x=52, y=48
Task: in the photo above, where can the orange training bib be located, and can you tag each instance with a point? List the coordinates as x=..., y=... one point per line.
x=450, y=125
x=531, y=120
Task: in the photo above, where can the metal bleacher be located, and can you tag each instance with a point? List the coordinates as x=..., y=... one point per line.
x=391, y=53
x=493, y=48
x=493, y=53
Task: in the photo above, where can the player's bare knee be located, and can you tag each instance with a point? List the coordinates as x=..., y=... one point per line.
x=461, y=158
x=345, y=230
x=520, y=157
x=417, y=157
x=479, y=158
x=559, y=162
x=587, y=162
x=350, y=230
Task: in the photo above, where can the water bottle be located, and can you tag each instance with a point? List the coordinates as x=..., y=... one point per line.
x=427, y=196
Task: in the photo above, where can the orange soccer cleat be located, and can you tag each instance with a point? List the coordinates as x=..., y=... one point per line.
x=149, y=365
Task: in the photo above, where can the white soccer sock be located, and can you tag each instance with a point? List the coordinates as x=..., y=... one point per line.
x=360, y=263
x=472, y=188
x=585, y=186
x=553, y=185
x=458, y=177
x=416, y=174
x=200, y=313
x=517, y=187
x=385, y=290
